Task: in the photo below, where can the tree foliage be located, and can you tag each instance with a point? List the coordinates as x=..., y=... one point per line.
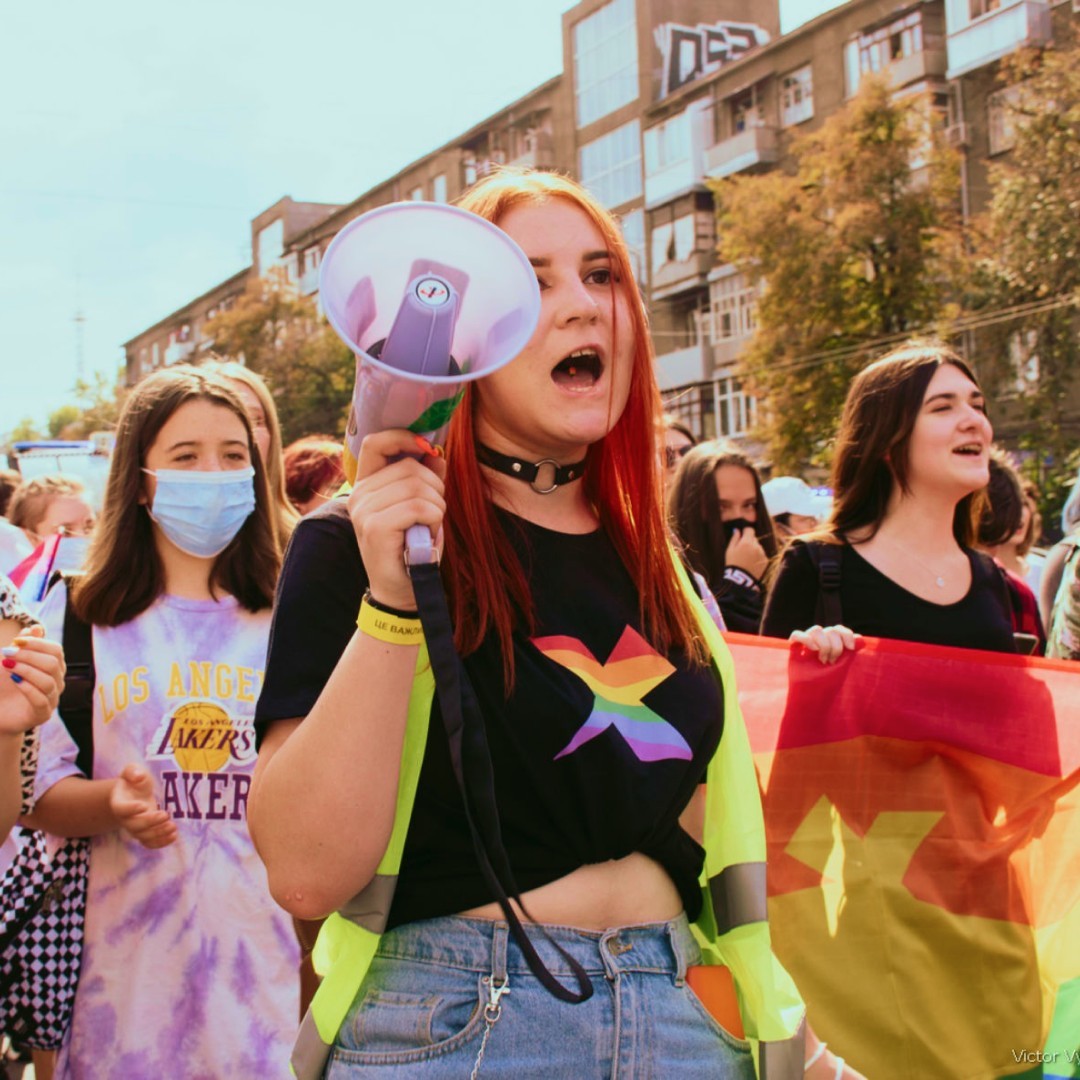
x=1029, y=243
x=851, y=247
x=279, y=333
x=96, y=408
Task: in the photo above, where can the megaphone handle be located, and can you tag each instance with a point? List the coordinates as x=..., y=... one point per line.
x=419, y=546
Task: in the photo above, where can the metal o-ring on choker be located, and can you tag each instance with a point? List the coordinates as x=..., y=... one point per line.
x=529, y=471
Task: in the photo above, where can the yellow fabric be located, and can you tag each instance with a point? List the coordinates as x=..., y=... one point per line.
x=343, y=951
x=771, y=1007
x=392, y=629
x=734, y=833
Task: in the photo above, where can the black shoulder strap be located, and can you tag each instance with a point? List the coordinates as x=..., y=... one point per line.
x=826, y=557
x=76, y=705
x=471, y=761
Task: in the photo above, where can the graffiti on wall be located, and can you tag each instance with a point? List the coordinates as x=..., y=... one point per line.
x=692, y=51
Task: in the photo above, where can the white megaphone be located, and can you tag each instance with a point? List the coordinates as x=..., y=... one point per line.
x=428, y=297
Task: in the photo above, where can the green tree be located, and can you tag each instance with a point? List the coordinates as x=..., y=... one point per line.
x=1030, y=248
x=859, y=243
x=24, y=431
x=278, y=333
x=60, y=420
x=96, y=408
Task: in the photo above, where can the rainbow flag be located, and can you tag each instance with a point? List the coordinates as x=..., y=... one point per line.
x=56, y=552
x=922, y=809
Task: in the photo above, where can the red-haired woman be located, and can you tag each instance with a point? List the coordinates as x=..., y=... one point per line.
x=602, y=711
x=313, y=471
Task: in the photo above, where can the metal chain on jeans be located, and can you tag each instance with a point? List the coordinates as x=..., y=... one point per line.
x=492, y=1012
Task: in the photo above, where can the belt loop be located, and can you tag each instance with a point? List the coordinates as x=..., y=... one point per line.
x=682, y=942
x=498, y=953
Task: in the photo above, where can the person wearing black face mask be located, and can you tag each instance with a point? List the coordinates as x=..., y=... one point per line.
x=718, y=513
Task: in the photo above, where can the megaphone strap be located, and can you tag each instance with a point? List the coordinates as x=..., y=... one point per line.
x=471, y=761
x=543, y=476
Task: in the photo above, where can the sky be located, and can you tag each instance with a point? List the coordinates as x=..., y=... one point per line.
x=138, y=141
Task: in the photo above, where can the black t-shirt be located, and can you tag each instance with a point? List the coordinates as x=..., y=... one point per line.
x=596, y=753
x=875, y=605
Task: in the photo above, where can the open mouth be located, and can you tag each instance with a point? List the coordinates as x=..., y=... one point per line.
x=581, y=370
x=969, y=450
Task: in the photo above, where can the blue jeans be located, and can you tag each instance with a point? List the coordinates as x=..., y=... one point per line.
x=421, y=1009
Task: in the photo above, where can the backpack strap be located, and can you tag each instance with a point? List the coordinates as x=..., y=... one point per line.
x=826, y=557
x=76, y=706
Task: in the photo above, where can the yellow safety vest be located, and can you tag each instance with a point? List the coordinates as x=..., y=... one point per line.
x=732, y=929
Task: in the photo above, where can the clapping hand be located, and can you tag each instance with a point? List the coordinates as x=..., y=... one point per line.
x=133, y=803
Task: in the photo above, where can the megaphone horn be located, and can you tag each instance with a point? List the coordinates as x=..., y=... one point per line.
x=428, y=297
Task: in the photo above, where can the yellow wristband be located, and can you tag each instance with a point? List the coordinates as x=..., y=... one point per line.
x=389, y=628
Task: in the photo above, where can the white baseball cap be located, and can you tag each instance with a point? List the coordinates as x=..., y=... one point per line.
x=790, y=495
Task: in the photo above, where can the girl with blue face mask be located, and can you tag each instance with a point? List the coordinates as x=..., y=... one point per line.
x=185, y=954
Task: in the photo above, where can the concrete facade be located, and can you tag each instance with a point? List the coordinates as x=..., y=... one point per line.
x=656, y=96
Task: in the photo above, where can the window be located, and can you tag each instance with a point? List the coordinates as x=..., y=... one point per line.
x=738, y=411
x=417, y=194
x=611, y=165
x=633, y=228
x=903, y=37
x=796, y=96
x=667, y=144
x=438, y=188
x=312, y=258
x=605, y=61
x=983, y=7
x=468, y=170
x=746, y=111
x=1001, y=118
x=733, y=309
x=672, y=242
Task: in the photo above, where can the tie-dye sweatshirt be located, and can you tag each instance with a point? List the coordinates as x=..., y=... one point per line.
x=189, y=968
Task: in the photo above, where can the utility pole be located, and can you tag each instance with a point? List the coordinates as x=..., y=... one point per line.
x=79, y=320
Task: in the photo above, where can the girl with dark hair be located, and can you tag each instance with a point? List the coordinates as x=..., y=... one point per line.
x=676, y=441
x=596, y=672
x=912, y=460
x=720, y=517
x=187, y=963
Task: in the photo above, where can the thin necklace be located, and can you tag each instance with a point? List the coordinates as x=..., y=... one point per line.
x=939, y=579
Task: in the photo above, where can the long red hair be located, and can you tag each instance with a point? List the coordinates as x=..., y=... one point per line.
x=487, y=584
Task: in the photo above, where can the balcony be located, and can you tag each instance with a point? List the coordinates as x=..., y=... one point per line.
x=539, y=152
x=996, y=34
x=179, y=351
x=927, y=64
x=682, y=366
x=678, y=277
x=754, y=148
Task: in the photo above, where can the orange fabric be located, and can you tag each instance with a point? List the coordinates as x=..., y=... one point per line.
x=715, y=989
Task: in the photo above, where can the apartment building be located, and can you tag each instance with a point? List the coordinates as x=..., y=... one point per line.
x=656, y=96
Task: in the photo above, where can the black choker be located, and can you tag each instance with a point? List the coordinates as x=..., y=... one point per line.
x=554, y=475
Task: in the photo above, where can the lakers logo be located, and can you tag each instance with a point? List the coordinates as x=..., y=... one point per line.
x=202, y=738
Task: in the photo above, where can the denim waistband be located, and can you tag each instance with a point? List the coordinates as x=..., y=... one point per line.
x=484, y=945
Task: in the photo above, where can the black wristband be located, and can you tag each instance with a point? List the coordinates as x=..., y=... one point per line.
x=387, y=610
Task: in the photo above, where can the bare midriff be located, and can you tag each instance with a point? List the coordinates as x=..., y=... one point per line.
x=622, y=892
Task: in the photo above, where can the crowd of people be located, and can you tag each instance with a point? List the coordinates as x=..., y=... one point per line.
x=609, y=766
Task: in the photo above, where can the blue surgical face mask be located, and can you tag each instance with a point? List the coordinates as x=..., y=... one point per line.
x=201, y=512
